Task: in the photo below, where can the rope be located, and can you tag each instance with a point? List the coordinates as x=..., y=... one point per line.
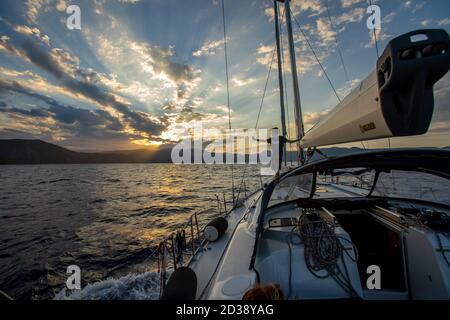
x=228, y=93
x=323, y=250
x=317, y=58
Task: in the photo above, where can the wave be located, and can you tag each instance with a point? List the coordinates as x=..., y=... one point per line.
x=158, y=211
x=144, y=286
x=54, y=181
x=98, y=200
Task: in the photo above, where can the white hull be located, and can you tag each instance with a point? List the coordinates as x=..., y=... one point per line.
x=223, y=271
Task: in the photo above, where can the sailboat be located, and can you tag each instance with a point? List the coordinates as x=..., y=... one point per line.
x=372, y=225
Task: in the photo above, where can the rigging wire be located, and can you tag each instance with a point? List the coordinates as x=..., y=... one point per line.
x=337, y=43
x=341, y=56
x=317, y=58
x=228, y=94
x=375, y=36
x=265, y=88
x=286, y=102
x=320, y=64
x=259, y=115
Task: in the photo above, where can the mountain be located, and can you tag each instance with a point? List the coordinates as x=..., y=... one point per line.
x=18, y=151
x=40, y=152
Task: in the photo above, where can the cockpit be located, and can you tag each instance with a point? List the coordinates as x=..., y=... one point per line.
x=338, y=220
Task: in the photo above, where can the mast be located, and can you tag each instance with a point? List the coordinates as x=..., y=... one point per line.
x=280, y=77
x=297, y=105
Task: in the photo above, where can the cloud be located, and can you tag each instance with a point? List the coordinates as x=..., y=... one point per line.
x=161, y=60
x=354, y=15
x=380, y=37
x=9, y=133
x=264, y=54
x=6, y=46
x=155, y=62
x=33, y=81
x=324, y=30
x=32, y=31
x=157, y=73
x=129, y=1
x=40, y=113
x=65, y=68
x=242, y=82
x=321, y=35
x=348, y=87
x=310, y=7
x=425, y=22
x=312, y=118
x=42, y=59
x=61, y=6
x=350, y=3
x=34, y=9
x=99, y=6
x=188, y=114
x=136, y=89
x=209, y=48
x=444, y=22
x=321, y=41
x=71, y=122
x=389, y=17
x=313, y=6
x=414, y=7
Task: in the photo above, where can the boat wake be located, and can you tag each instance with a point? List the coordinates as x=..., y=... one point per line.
x=144, y=286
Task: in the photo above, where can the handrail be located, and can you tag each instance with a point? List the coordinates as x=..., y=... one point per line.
x=5, y=296
x=172, y=248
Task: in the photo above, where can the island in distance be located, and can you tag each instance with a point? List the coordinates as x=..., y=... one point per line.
x=21, y=151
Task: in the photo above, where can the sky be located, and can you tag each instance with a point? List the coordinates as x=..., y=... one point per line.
x=140, y=73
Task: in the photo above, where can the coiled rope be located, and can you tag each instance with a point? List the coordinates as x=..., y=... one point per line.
x=322, y=247
x=322, y=251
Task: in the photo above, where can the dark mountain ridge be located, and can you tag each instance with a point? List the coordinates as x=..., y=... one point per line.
x=18, y=151
x=39, y=152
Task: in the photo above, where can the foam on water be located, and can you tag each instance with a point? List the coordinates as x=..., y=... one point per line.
x=144, y=286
